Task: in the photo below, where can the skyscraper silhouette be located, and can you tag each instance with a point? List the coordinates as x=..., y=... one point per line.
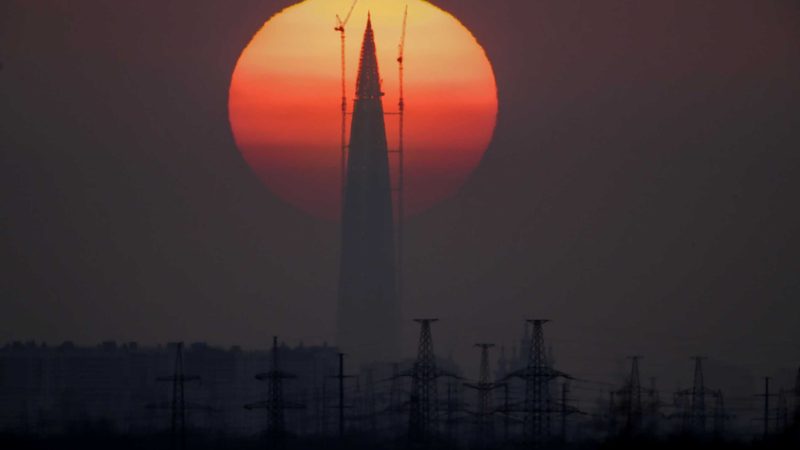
x=368, y=315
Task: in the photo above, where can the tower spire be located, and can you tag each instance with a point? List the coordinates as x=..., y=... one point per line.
x=368, y=323
x=368, y=85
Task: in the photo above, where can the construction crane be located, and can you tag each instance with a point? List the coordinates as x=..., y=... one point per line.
x=340, y=25
x=400, y=50
x=400, y=162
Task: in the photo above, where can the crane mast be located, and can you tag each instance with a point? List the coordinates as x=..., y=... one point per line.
x=400, y=159
x=340, y=27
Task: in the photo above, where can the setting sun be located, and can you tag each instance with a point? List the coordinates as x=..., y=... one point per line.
x=285, y=97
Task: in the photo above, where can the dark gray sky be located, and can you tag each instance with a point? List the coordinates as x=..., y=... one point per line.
x=640, y=191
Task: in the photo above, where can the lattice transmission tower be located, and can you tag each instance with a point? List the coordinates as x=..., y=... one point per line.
x=178, y=404
x=275, y=404
x=697, y=407
x=422, y=402
x=484, y=414
x=632, y=394
x=538, y=374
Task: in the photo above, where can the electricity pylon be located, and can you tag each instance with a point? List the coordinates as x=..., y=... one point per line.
x=694, y=401
x=566, y=410
x=423, y=399
x=341, y=406
x=178, y=405
x=537, y=382
x=765, y=417
x=484, y=430
x=720, y=414
x=275, y=403
x=632, y=395
x=653, y=408
x=423, y=389
x=538, y=373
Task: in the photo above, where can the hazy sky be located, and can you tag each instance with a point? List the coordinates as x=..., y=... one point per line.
x=640, y=190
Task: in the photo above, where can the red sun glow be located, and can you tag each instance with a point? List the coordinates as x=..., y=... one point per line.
x=285, y=98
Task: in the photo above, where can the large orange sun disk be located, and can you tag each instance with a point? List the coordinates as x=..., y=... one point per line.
x=285, y=98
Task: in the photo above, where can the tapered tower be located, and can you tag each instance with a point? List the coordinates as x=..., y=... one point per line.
x=368, y=316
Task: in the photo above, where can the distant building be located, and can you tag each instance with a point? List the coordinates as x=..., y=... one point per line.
x=57, y=389
x=369, y=313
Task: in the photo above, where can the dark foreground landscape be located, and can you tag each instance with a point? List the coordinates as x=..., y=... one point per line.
x=99, y=439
